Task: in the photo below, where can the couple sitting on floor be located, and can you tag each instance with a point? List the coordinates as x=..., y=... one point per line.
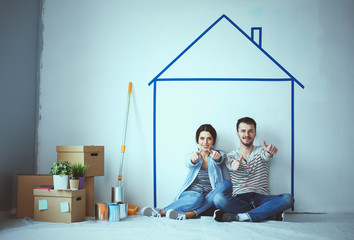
x=242, y=198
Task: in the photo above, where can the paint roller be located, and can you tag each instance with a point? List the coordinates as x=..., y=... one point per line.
x=118, y=192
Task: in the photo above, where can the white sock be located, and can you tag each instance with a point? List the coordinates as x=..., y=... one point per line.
x=243, y=217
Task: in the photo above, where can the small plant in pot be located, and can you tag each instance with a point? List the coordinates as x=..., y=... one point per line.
x=78, y=172
x=60, y=171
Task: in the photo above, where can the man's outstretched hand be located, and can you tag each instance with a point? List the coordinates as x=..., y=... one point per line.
x=235, y=164
x=270, y=149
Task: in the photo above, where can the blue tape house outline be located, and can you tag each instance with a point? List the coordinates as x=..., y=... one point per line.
x=257, y=44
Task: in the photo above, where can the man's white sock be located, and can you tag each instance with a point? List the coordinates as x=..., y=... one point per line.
x=243, y=217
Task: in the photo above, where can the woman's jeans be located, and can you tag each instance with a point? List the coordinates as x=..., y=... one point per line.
x=196, y=201
x=257, y=206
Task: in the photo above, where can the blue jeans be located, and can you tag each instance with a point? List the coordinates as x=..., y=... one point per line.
x=197, y=201
x=257, y=206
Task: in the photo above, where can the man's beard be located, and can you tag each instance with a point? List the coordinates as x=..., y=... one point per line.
x=247, y=144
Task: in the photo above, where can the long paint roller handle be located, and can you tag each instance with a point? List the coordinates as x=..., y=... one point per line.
x=130, y=87
x=120, y=177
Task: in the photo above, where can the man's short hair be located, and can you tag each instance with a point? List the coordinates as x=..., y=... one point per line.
x=246, y=120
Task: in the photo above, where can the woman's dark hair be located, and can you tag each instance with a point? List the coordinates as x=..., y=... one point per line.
x=207, y=128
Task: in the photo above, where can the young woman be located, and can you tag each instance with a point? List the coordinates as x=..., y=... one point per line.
x=202, y=182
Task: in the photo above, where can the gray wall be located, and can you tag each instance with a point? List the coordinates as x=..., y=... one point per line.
x=18, y=94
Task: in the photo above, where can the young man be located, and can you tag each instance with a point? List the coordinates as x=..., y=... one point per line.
x=249, y=169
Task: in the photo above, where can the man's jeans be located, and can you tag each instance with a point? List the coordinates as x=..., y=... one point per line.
x=196, y=201
x=257, y=206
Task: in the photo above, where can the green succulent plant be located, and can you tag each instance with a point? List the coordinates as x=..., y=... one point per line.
x=60, y=168
x=78, y=169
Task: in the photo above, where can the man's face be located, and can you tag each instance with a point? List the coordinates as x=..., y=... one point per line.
x=246, y=133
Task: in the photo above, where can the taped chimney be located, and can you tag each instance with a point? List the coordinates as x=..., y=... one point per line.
x=256, y=35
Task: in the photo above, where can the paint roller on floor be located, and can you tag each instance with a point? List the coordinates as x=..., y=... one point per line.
x=118, y=192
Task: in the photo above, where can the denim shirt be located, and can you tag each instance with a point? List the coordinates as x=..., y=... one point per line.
x=214, y=170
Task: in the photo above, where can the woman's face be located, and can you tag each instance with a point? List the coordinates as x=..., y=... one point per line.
x=205, y=140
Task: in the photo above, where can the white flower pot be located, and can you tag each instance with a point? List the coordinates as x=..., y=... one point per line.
x=60, y=182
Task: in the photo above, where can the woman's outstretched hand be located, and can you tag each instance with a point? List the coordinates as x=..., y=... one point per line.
x=195, y=156
x=215, y=155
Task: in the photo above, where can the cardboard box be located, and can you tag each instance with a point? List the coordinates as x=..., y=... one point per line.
x=90, y=155
x=27, y=182
x=64, y=206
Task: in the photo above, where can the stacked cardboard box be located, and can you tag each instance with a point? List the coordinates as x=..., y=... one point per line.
x=90, y=155
x=25, y=199
x=27, y=207
x=59, y=205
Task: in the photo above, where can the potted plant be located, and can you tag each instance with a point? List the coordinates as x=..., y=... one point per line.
x=74, y=179
x=78, y=170
x=60, y=171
